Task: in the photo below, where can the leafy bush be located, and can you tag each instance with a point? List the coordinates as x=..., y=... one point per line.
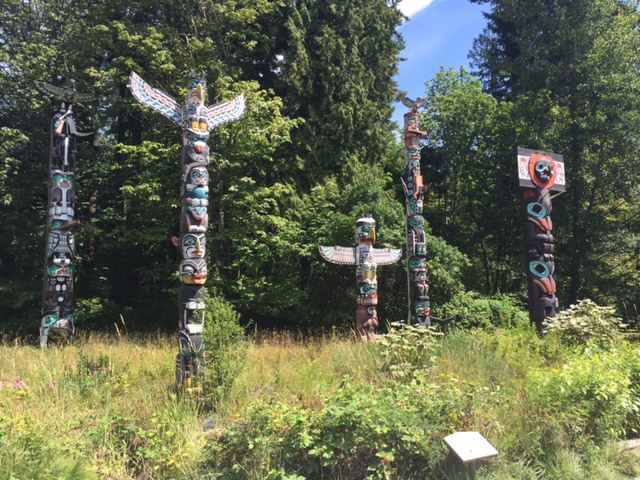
x=377, y=432
x=226, y=347
x=98, y=311
x=585, y=323
x=407, y=351
x=589, y=399
x=476, y=311
x=446, y=271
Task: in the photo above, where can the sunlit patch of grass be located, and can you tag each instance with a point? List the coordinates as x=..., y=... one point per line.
x=282, y=366
x=105, y=401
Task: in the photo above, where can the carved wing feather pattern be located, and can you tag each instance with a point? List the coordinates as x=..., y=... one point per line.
x=66, y=94
x=414, y=105
x=386, y=256
x=339, y=255
x=225, y=112
x=155, y=99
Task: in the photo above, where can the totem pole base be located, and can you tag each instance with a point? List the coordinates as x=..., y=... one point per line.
x=55, y=336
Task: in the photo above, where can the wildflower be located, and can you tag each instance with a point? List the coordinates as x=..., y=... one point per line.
x=19, y=384
x=52, y=385
x=94, y=373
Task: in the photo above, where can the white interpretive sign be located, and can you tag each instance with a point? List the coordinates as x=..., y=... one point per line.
x=470, y=446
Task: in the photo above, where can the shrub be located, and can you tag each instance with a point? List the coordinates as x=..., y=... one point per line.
x=377, y=432
x=407, y=351
x=590, y=399
x=226, y=347
x=586, y=323
x=476, y=311
x=97, y=311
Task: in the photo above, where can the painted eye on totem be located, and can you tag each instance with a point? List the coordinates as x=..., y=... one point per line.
x=191, y=110
x=57, y=177
x=539, y=269
x=189, y=241
x=537, y=210
x=542, y=166
x=192, y=84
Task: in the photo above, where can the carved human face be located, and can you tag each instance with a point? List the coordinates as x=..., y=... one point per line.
x=196, y=141
x=193, y=245
x=422, y=309
x=417, y=263
x=198, y=176
x=542, y=170
x=416, y=222
x=367, y=289
x=193, y=271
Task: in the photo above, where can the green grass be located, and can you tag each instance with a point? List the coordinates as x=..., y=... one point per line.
x=105, y=407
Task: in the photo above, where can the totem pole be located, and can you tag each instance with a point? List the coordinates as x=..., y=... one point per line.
x=414, y=190
x=366, y=259
x=196, y=121
x=539, y=174
x=57, y=297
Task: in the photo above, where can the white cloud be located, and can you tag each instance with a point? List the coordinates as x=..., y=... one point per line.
x=411, y=7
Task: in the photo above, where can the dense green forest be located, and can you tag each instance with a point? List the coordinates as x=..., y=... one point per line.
x=315, y=148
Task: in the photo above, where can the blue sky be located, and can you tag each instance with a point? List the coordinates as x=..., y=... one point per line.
x=438, y=32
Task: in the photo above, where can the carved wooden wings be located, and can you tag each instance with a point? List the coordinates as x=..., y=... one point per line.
x=347, y=255
x=414, y=105
x=225, y=112
x=166, y=105
x=67, y=94
x=155, y=99
x=386, y=256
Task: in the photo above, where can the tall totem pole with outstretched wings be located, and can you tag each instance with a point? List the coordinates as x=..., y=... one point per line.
x=414, y=190
x=57, y=295
x=366, y=259
x=196, y=121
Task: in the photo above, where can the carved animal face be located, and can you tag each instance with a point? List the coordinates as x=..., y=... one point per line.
x=196, y=89
x=365, y=230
